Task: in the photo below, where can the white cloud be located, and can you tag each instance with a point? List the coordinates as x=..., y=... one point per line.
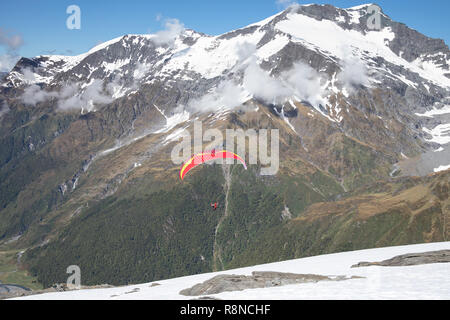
x=28, y=75
x=172, y=29
x=71, y=103
x=245, y=51
x=71, y=96
x=301, y=81
x=262, y=86
x=7, y=62
x=33, y=95
x=11, y=42
x=305, y=83
x=353, y=73
x=140, y=70
x=95, y=92
x=68, y=91
x=227, y=95
x=285, y=3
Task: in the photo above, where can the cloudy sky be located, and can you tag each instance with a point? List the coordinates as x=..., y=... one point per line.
x=30, y=28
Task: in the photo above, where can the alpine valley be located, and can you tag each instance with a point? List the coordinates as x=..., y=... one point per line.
x=86, y=176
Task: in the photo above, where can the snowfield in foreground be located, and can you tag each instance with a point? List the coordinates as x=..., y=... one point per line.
x=429, y=281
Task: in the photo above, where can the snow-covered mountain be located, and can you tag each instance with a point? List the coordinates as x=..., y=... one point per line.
x=364, y=123
x=186, y=54
x=287, y=57
x=415, y=282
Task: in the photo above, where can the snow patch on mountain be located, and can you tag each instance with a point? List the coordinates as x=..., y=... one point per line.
x=441, y=168
x=435, y=111
x=440, y=134
x=272, y=47
x=317, y=33
x=209, y=56
x=100, y=46
x=428, y=281
x=252, y=62
x=173, y=120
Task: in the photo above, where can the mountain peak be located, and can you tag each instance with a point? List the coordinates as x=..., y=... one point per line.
x=363, y=6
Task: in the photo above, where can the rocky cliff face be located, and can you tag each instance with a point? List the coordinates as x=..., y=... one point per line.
x=86, y=143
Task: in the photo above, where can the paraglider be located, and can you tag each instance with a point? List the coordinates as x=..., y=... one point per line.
x=203, y=157
x=214, y=206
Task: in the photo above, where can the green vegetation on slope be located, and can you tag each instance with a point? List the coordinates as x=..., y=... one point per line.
x=10, y=273
x=119, y=241
x=417, y=214
x=171, y=232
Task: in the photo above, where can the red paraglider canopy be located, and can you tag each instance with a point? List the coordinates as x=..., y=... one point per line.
x=208, y=156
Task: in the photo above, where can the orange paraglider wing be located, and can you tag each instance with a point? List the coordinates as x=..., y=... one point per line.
x=201, y=158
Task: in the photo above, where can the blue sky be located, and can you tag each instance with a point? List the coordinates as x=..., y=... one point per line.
x=42, y=24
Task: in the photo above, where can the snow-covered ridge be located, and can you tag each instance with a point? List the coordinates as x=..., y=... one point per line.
x=211, y=56
x=428, y=281
x=371, y=44
x=362, y=6
x=352, y=57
